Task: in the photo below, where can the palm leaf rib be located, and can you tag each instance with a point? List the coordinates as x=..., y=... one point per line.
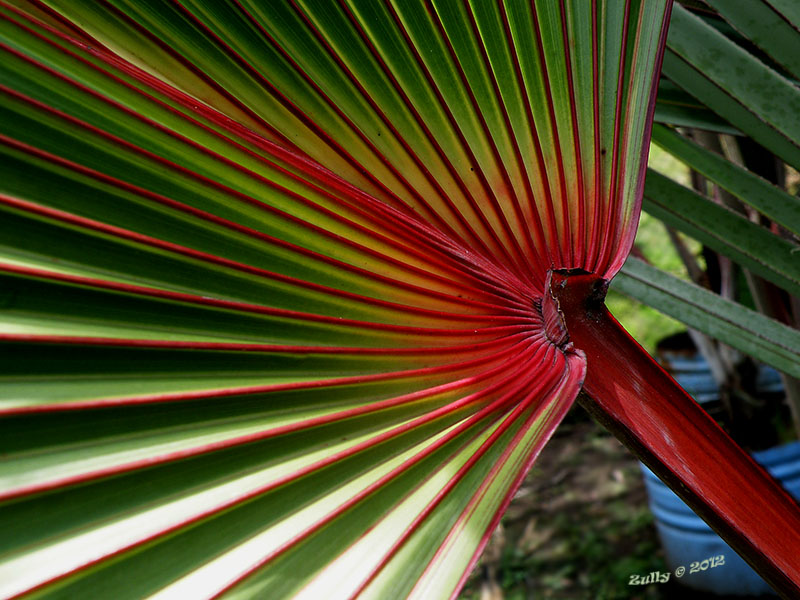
x=274, y=281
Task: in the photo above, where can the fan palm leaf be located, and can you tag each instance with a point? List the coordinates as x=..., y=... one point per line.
x=276, y=303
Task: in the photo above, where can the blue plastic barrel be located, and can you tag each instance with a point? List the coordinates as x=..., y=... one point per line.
x=685, y=537
x=692, y=372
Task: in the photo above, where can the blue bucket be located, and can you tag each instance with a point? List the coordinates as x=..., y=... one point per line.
x=685, y=537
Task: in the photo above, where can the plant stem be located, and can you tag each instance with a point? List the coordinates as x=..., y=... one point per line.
x=648, y=411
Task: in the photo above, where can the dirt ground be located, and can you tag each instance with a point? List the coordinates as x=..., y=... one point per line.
x=578, y=527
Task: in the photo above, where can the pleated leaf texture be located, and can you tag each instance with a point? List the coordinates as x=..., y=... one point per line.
x=274, y=308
